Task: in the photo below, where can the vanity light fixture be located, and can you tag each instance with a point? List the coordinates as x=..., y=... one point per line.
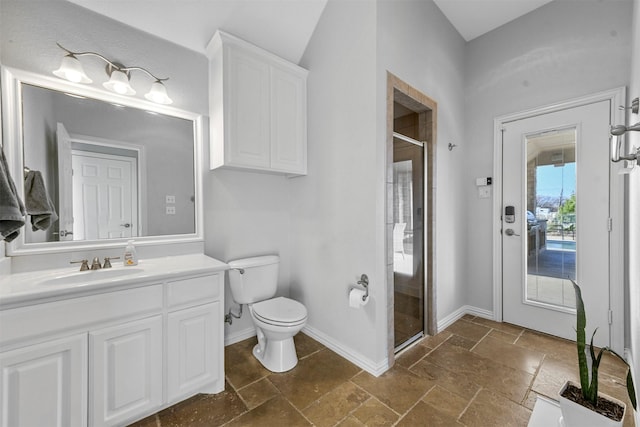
x=119, y=75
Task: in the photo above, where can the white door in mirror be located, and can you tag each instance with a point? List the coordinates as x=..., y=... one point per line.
x=104, y=196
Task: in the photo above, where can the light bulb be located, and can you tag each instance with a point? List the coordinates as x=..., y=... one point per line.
x=158, y=94
x=71, y=69
x=119, y=83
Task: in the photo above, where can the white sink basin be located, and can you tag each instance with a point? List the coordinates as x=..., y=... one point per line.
x=82, y=277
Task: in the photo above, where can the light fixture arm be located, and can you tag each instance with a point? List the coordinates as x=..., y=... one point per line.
x=116, y=66
x=146, y=71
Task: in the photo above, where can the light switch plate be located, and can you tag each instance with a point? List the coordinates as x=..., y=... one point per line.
x=170, y=199
x=171, y=210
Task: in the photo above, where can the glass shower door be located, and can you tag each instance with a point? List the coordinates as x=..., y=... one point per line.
x=408, y=246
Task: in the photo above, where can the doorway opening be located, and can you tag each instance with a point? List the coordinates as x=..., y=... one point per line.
x=411, y=121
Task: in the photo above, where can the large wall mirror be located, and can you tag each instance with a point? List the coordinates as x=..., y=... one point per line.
x=112, y=169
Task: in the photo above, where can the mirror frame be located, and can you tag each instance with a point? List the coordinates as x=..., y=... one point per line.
x=12, y=79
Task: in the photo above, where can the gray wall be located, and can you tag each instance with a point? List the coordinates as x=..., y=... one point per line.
x=31, y=28
x=338, y=211
x=335, y=219
x=560, y=51
x=419, y=45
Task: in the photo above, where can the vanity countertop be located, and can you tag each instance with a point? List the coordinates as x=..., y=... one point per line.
x=49, y=285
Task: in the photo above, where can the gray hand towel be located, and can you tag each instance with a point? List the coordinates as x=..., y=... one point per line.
x=39, y=205
x=11, y=207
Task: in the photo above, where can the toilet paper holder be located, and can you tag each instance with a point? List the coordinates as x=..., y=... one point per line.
x=364, y=281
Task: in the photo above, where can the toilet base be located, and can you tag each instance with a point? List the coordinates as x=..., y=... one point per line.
x=277, y=355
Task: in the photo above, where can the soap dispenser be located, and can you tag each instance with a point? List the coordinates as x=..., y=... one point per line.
x=130, y=256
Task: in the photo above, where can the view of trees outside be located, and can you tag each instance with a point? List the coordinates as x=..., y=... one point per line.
x=556, y=199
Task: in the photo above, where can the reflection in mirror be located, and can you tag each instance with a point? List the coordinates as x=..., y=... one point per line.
x=111, y=167
x=111, y=171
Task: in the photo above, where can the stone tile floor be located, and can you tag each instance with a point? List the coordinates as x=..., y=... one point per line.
x=475, y=373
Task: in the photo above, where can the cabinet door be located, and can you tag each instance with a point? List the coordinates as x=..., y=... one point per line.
x=247, y=142
x=45, y=384
x=194, y=356
x=288, y=121
x=125, y=368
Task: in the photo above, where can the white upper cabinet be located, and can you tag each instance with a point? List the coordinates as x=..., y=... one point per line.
x=258, y=108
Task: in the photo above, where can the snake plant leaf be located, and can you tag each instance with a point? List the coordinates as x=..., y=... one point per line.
x=590, y=389
x=630, y=388
x=581, y=323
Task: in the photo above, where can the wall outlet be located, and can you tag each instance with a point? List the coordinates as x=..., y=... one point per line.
x=170, y=199
x=484, y=192
x=171, y=210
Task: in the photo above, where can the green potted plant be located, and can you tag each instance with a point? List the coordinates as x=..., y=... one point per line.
x=582, y=405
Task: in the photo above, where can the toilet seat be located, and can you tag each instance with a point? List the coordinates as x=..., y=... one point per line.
x=280, y=311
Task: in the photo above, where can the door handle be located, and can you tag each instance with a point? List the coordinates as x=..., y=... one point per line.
x=125, y=225
x=510, y=232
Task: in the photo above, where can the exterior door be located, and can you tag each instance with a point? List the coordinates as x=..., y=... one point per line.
x=556, y=220
x=104, y=196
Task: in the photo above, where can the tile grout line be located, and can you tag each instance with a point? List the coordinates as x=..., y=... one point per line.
x=480, y=340
x=349, y=380
x=533, y=380
x=469, y=404
x=416, y=403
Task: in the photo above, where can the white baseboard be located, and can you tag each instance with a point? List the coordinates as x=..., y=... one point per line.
x=465, y=309
x=375, y=369
x=238, y=336
x=353, y=356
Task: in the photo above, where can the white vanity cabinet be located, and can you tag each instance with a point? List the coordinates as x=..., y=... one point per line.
x=113, y=356
x=45, y=384
x=194, y=337
x=125, y=371
x=258, y=108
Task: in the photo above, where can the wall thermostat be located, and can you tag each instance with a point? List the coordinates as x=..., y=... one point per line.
x=483, y=181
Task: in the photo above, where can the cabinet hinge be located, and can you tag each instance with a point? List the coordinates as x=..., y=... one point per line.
x=610, y=317
x=610, y=224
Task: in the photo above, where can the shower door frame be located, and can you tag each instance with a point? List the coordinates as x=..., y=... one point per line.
x=410, y=97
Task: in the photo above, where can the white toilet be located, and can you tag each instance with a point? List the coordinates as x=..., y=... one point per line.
x=254, y=281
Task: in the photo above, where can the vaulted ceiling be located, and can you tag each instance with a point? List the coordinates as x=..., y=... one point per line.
x=283, y=27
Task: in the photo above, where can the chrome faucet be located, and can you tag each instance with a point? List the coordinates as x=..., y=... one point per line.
x=95, y=265
x=107, y=261
x=84, y=266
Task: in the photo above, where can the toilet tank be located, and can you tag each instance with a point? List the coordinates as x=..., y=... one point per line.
x=253, y=279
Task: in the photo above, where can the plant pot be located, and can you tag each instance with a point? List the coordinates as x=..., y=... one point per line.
x=576, y=415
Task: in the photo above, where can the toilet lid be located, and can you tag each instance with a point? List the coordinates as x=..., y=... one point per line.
x=281, y=310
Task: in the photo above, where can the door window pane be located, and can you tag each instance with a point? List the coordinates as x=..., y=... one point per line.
x=551, y=217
